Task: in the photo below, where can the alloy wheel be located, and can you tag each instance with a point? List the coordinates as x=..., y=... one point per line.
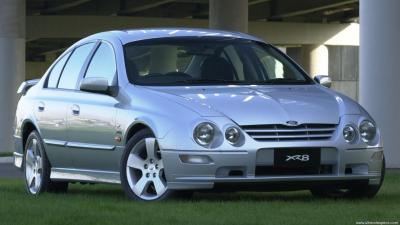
x=145, y=170
x=33, y=166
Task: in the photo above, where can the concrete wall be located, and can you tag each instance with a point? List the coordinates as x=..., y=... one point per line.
x=36, y=70
x=343, y=67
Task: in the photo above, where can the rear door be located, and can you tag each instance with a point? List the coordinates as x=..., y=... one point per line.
x=91, y=117
x=50, y=112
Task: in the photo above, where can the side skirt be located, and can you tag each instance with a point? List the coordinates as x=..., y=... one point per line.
x=92, y=176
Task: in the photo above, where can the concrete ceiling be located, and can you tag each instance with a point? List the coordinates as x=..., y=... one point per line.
x=303, y=11
x=268, y=10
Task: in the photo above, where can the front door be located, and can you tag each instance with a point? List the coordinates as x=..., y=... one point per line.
x=91, y=117
x=91, y=131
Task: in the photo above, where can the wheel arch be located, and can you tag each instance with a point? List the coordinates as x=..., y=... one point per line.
x=134, y=128
x=27, y=127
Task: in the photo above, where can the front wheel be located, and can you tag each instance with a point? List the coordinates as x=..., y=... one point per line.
x=142, y=169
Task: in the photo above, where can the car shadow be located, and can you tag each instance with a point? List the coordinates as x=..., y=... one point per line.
x=93, y=191
x=114, y=192
x=253, y=196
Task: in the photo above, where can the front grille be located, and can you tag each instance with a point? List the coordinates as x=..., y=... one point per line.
x=279, y=132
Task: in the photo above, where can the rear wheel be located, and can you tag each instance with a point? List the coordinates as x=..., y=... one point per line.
x=37, y=168
x=358, y=191
x=142, y=169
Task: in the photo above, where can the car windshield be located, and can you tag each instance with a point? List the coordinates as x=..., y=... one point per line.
x=209, y=61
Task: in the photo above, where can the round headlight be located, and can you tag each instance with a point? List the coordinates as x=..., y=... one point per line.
x=349, y=133
x=367, y=131
x=204, y=134
x=232, y=134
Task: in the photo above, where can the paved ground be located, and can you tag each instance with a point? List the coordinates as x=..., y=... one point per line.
x=7, y=170
x=6, y=160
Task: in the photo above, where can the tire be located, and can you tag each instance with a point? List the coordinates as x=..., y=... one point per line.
x=359, y=191
x=37, y=168
x=143, y=177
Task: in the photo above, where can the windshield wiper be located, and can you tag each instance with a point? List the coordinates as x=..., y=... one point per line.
x=221, y=81
x=285, y=81
x=207, y=81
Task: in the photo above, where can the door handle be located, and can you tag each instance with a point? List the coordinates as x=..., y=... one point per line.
x=75, y=110
x=41, y=106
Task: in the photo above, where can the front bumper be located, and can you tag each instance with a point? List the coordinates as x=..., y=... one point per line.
x=242, y=167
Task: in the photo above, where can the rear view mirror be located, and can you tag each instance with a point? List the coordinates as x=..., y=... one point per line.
x=95, y=85
x=323, y=80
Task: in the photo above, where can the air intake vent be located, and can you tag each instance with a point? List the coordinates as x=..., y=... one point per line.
x=279, y=132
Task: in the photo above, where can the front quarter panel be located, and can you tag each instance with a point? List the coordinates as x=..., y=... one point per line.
x=141, y=106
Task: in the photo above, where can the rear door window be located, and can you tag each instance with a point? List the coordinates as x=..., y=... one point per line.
x=72, y=69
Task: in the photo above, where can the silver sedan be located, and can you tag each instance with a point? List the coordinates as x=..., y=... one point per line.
x=169, y=111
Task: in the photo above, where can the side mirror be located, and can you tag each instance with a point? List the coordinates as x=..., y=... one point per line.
x=323, y=80
x=95, y=85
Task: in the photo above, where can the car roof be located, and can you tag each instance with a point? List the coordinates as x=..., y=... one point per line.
x=131, y=35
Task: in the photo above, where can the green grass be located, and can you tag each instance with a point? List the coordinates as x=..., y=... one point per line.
x=5, y=154
x=106, y=204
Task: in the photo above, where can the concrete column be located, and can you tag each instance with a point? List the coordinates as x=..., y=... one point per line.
x=379, y=70
x=12, y=65
x=315, y=59
x=229, y=15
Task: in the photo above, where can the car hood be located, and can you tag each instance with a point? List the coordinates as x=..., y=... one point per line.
x=249, y=105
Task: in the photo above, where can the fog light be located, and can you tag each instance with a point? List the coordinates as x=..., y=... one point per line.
x=377, y=156
x=195, y=159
